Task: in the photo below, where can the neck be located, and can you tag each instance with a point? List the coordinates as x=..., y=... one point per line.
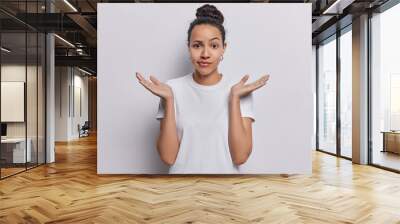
x=207, y=80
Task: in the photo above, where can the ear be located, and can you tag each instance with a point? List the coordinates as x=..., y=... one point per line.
x=224, y=48
x=225, y=45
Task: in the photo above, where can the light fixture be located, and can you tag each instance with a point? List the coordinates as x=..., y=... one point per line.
x=337, y=7
x=64, y=40
x=86, y=72
x=70, y=5
x=79, y=51
x=5, y=50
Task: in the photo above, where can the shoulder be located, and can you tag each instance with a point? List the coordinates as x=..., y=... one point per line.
x=176, y=82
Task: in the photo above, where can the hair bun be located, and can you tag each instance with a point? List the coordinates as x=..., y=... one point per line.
x=210, y=11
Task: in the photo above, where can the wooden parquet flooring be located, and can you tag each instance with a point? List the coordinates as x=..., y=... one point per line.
x=70, y=191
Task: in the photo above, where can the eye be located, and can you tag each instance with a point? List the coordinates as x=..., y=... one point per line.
x=215, y=46
x=196, y=45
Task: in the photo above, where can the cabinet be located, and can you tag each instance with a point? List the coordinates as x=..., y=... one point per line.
x=391, y=142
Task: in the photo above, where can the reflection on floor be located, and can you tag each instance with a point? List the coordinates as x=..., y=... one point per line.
x=11, y=169
x=386, y=159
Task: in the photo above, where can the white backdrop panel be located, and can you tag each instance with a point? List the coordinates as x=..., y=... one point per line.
x=151, y=38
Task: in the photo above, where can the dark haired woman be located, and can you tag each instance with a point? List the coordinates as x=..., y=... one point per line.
x=206, y=120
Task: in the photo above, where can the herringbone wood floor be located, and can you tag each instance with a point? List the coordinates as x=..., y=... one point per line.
x=70, y=191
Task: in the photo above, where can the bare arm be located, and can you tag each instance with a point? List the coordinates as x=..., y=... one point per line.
x=168, y=141
x=240, y=130
x=239, y=133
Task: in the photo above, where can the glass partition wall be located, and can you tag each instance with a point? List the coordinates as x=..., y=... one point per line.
x=334, y=75
x=22, y=88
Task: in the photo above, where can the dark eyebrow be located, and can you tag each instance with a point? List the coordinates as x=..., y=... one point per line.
x=202, y=41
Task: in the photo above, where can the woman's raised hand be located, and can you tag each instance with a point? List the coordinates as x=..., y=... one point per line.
x=155, y=86
x=241, y=89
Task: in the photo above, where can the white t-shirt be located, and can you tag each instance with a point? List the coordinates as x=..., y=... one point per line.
x=201, y=114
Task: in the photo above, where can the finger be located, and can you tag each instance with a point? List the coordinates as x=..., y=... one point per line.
x=144, y=82
x=154, y=80
x=251, y=88
x=139, y=76
x=244, y=79
x=261, y=81
x=255, y=85
x=265, y=77
x=142, y=79
x=148, y=85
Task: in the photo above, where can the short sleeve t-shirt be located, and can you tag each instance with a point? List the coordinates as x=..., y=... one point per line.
x=201, y=114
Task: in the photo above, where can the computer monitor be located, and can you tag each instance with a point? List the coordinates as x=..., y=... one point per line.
x=3, y=129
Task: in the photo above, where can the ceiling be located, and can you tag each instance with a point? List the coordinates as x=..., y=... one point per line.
x=76, y=22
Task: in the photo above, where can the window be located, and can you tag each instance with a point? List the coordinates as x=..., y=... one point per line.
x=327, y=96
x=346, y=75
x=385, y=88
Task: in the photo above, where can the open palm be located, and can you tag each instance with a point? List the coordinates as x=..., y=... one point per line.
x=242, y=89
x=155, y=86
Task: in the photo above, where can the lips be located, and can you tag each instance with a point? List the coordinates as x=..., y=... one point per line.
x=203, y=63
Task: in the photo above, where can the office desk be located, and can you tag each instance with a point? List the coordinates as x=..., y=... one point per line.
x=15, y=148
x=391, y=141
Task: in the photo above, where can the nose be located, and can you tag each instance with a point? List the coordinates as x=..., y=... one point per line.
x=205, y=53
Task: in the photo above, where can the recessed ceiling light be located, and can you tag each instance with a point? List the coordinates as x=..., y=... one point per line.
x=337, y=7
x=70, y=5
x=86, y=72
x=5, y=50
x=64, y=40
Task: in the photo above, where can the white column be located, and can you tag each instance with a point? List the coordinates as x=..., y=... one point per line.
x=50, y=110
x=50, y=91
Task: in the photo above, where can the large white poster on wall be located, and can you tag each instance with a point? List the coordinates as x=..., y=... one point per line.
x=12, y=101
x=152, y=39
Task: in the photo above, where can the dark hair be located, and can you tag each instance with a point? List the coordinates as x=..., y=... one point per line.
x=208, y=14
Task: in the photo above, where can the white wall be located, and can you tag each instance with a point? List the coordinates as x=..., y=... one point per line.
x=67, y=80
x=80, y=83
x=263, y=39
x=314, y=80
x=61, y=103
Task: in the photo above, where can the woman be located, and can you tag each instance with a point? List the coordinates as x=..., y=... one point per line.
x=206, y=120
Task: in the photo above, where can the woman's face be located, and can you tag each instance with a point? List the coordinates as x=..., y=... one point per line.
x=206, y=48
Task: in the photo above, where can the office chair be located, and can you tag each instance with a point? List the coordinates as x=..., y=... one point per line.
x=84, y=130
